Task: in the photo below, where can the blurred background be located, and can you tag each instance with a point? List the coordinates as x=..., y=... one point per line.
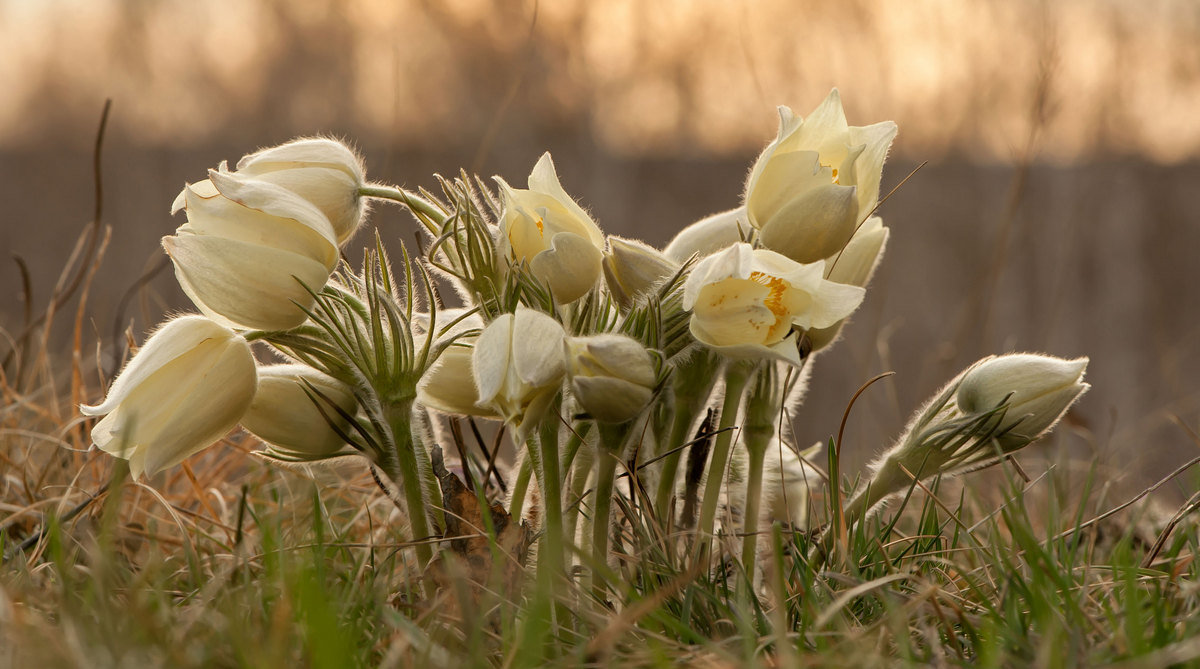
x=1054, y=210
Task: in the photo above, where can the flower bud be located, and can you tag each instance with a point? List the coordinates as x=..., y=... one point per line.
x=323, y=171
x=812, y=185
x=518, y=364
x=448, y=385
x=748, y=303
x=1039, y=389
x=246, y=248
x=185, y=389
x=612, y=376
x=545, y=228
x=854, y=266
x=709, y=235
x=292, y=422
x=633, y=270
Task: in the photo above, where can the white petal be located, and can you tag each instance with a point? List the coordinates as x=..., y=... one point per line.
x=709, y=235
x=571, y=266
x=492, y=357
x=537, y=347
x=310, y=152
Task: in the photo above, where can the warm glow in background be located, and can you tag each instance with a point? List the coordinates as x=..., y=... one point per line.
x=1057, y=212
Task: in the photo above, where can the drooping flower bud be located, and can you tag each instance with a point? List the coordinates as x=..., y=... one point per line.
x=749, y=303
x=709, y=235
x=544, y=227
x=246, y=248
x=813, y=184
x=1039, y=389
x=633, y=270
x=186, y=388
x=518, y=365
x=612, y=376
x=288, y=419
x=323, y=171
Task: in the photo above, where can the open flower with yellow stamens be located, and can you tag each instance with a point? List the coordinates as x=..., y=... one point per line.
x=748, y=303
x=544, y=227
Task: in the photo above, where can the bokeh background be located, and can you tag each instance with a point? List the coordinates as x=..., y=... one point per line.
x=1055, y=210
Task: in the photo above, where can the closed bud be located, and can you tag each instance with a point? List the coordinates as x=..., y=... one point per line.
x=633, y=270
x=186, y=388
x=449, y=385
x=612, y=376
x=853, y=266
x=294, y=411
x=545, y=228
x=812, y=185
x=1038, y=388
x=518, y=364
x=709, y=235
x=323, y=171
x=247, y=248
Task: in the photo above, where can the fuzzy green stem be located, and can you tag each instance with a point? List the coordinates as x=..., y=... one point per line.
x=409, y=199
x=735, y=381
x=520, y=488
x=680, y=426
x=612, y=439
x=757, y=454
x=543, y=452
x=404, y=471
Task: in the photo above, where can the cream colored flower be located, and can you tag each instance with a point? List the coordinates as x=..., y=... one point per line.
x=449, y=384
x=518, y=365
x=245, y=249
x=544, y=227
x=816, y=181
x=323, y=171
x=612, y=376
x=186, y=388
x=709, y=235
x=286, y=418
x=748, y=302
x=853, y=266
x=1039, y=389
x=634, y=270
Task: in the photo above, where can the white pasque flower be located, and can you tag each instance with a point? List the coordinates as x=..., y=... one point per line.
x=1040, y=389
x=449, y=384
x=709, y=235
x=544, y=227
x=323, y=171
x=853, y=266
x=245, y=249
x=612, y=376
x=518, y=365
x=285, y=417
x=816, y=181
x=748, y=303
x=186, y=388
x=633, y=270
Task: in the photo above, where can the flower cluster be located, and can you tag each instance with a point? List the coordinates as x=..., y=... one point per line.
x=590, y=349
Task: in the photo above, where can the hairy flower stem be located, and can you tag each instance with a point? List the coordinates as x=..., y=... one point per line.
x=736, y=375
x=416, y=203
x=403, y=470
x=757, y=454
x=679, y=435
x=520, y=488
x=612, y=440
x=543, y=454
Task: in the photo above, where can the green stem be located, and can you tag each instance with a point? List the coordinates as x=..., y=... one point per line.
x=520, y=487
x=543, y=452
x=735, y=381
x=612, y=440
x=405, y=472
x=414, y=202
x=680, y=427
x=757, y=454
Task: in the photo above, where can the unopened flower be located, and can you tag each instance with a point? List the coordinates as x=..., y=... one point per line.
x=812, y=185
x=186, y=388
x=748, y=303
x=544, y=227
x=853, y=266
x=1038, y=389
x=293, y=422
x=247, y=247
x=633, y=269
x=518, y=364
x=449, y=384
x=612, y=376
x=323, y=171
x=709, y=235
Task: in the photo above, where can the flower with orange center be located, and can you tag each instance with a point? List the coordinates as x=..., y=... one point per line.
x=749, y=303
